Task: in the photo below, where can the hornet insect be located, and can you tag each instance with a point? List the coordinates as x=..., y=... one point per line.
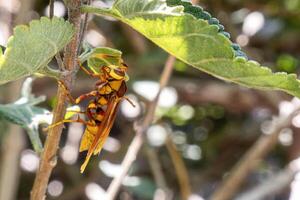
x=110, y=89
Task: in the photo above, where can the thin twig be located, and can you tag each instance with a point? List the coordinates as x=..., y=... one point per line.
x=157, y=171
x=156, y=167
x=252, y=158
x=51, y=8
x=273, y=185
x=180, y=169
x=60, y=61
x=57, y=56
x=138, y=139
x=83, y=27
x=48, y=158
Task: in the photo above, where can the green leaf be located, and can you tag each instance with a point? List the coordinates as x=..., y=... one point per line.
x=193, y=36
x=101, y=56
x=32, y=47
x=23, y=112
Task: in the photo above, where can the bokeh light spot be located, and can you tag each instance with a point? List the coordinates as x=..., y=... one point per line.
x=286, y=137
x=55, y=188
x=59, y=9
x=242, y=40
x=149, y=89
x=94, y=191
x=157, y=135
x=95, y=39
x=128, y=110
x=112, y=145
x=29, y=160
x=253, y=23
x=192, y=152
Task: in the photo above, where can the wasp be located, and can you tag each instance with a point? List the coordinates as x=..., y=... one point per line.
x=110, y=89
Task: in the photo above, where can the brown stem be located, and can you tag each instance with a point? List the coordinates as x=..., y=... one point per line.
x=180, y=169
x=48, y=158
x=157, y=170
x=83, y=27
x=57, y=56
x=273, y=185
x=51, y=8
x=138, y=140
x=251, y=159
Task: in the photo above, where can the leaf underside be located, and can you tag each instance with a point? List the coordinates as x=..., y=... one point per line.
x=26, y=114
x=32, y=47
x=196, y=38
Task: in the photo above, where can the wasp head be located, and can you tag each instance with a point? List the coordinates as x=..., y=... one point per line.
x=116, y=72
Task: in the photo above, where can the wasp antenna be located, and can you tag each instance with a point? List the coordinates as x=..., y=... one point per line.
x=124, y=64
x=127, y=99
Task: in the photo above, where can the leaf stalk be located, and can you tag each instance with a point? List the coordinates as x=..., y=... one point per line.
x=100, y=11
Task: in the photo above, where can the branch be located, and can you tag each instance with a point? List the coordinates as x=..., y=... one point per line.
x=105, y=12
x=180, y=169
x=157, y=171
x=83, y=28
x=274, y=184
x=138, y=140
x=57, y=56
x=252, y=158
x=51, y=8
x=48, y=158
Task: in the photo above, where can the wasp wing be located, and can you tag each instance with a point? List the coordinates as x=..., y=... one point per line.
x=103, y=130
x=88, y=137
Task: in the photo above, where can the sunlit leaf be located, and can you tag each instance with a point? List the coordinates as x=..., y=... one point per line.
x=193, y=36
x=32, y=47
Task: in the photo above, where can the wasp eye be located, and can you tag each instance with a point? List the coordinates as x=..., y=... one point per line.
x=99, y=110
x=119, y=72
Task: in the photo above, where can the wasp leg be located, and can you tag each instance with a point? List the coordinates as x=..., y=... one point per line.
x=78, y=99
x=92, y=74
x=104, y=55
x=100, y=84
x=76, y=111
x=129, y=101
x=67, y=91
x=78, y=120
x=93, y=93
